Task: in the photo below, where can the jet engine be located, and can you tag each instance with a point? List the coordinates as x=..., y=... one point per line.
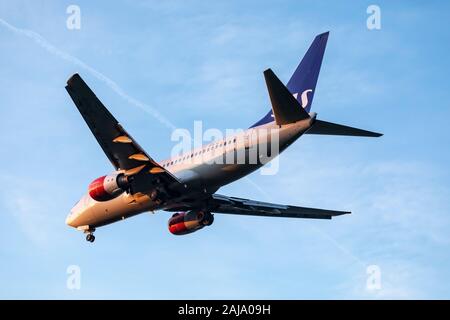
x=108, y=187
x=187, y=222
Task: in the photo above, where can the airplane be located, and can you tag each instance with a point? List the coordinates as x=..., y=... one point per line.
x=186, y=184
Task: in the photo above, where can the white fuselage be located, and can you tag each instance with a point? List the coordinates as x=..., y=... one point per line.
x=204, y=170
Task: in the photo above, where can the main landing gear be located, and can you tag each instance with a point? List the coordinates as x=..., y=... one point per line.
x=208, y=219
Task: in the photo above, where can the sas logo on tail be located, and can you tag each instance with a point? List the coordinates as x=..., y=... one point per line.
x=304, y=97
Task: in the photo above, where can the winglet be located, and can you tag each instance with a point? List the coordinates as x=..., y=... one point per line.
x=286, y=109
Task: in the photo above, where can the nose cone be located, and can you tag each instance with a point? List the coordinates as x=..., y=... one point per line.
x=75, y=217
x=70, y=220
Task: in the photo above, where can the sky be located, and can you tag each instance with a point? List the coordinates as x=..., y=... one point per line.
x=159, y=66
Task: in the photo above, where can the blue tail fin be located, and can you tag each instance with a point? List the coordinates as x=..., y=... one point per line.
x=303, y=82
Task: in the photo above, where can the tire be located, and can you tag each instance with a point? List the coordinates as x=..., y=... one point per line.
x=208, y=219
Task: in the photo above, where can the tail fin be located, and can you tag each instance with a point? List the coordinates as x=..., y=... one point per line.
x=302, y=84
x=285, y=107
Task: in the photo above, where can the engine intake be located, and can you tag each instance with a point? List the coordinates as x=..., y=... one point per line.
x=108, y=187
x=187, y=222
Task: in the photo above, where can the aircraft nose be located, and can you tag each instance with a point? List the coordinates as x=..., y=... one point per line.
x=70, y=220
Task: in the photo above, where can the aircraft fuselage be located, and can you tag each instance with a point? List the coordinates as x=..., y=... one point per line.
x=203, y=171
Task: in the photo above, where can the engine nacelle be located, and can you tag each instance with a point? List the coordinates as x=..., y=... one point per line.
x=187, y=222
x=108, y=187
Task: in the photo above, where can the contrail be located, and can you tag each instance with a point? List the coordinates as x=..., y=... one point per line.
x=42, y=42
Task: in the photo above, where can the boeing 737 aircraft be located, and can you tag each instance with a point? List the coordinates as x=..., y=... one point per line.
x=187, y=183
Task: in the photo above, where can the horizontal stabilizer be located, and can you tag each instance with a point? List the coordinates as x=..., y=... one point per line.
x=329, y=128
x=286, y=109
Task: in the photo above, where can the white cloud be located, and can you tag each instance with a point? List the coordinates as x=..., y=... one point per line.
x=399, y=211
x=30, y=204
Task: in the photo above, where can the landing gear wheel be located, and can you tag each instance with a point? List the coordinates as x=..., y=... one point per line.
x=90, y=237
x=208, y=219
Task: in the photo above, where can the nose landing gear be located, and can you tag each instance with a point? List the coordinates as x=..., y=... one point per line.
x=90, y=235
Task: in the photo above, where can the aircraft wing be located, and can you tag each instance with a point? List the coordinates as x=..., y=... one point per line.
x=232, y=205
x=120, y=148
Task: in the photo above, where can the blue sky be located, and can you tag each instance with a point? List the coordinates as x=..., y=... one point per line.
x=190, y=60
